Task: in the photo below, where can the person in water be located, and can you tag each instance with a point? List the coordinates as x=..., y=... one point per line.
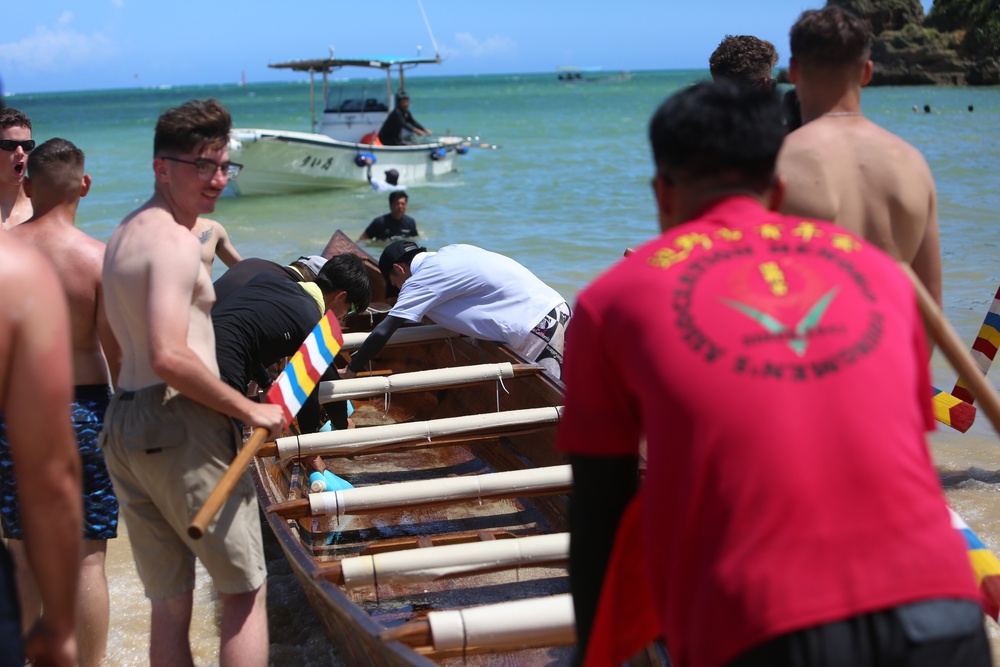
x=394, y=224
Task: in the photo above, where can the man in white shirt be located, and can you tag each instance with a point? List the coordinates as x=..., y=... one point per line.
x=475, y=293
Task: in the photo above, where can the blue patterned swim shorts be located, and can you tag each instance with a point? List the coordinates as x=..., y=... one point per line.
x=100, y=506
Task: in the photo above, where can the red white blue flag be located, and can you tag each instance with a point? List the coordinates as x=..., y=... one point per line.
x=307, y=366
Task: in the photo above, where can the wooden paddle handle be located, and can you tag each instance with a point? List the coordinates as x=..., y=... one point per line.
x=954, y=350
x=226, y=484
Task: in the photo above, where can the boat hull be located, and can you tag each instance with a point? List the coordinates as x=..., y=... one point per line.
x=278, y=162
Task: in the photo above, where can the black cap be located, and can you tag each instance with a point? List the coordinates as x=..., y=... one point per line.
x=394, y=253
x=391, y=176
x=402, y=95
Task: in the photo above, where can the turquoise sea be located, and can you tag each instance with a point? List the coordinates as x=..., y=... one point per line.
x=565, y=192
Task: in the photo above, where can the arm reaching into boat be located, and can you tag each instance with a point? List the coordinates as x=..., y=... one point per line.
x=373, y=344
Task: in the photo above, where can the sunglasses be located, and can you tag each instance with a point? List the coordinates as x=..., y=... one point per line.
x=11, y=145
x=207, y=168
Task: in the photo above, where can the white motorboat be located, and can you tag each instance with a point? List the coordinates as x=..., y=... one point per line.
x=343, y=149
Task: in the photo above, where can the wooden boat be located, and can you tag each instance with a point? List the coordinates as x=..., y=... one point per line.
x=456, y=475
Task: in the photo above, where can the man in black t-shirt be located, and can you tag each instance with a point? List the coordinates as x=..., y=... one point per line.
x=399, y=119
x=395, y=224
x=267, y=319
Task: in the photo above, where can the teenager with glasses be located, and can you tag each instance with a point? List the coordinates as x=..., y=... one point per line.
x=168, y=435
x=15, y=144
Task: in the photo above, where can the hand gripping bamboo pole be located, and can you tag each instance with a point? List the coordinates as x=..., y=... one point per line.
x=225, y=486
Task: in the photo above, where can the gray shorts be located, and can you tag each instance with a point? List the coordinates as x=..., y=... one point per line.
x=165, y=453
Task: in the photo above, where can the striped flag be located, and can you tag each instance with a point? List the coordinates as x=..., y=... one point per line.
x=984, y=349
x=984, y=564
x=307, y=366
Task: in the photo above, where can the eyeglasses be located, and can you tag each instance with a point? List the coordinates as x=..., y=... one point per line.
x=11, y=145
x=207, y=168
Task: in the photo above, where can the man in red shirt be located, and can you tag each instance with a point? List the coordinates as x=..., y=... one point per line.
x=782, y=524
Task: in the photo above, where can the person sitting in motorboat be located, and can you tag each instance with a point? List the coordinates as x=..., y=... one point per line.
x=400, y=119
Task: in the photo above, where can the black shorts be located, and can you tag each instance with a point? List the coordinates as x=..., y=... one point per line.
x=932, y=633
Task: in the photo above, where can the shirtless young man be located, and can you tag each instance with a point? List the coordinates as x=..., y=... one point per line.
x=15, y=144
x=35, y=394
x=167, y=437
x=214, y=241
x=841, y=166
x=56, y=183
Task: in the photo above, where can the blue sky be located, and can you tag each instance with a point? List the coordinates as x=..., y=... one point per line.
x=61, y=46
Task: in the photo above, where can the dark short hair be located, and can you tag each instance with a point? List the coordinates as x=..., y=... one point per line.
x=11, y=117
x=396, y=195
x=56, y=161
x=743, y=59
x=831, y=36
x=716, y=127
x=346, y=272
x=193, y=126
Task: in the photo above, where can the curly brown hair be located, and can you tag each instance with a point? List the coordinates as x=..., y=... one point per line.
x=11, y=117
x=743, y=59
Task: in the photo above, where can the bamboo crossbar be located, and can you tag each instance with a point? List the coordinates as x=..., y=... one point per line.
x=421, y=442
x=547, y=621
x=453, y=560
x=402, y=336
x=441, y=378
x=361, y=440
x=548, y=480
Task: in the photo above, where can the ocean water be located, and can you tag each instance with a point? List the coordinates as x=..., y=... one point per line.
x=565, y=192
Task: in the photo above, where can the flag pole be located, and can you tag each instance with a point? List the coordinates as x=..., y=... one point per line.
x=290, y=391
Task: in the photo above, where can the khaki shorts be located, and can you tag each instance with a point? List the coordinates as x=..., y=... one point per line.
x=165, y=453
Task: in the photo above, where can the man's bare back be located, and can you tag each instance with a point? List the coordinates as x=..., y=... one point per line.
x=840, y=166
x=80, y=258
x=850, y=171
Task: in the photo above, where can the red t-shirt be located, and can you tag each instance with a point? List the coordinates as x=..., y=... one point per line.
x=778, y=370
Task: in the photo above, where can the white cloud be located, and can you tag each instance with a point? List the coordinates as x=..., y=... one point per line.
x=65, y=19
x=57, y=49
x=496, y=45
x=118, y=3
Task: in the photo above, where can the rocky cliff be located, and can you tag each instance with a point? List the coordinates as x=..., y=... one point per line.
x=957, y=43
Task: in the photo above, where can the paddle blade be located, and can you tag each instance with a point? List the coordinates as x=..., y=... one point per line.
x=951, y=411
x=307, y=366
x=984, y=564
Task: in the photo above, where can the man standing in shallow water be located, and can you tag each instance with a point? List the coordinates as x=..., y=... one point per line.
x=844, y=168
x=56, y=182
x=168, y=437
x=15, y=144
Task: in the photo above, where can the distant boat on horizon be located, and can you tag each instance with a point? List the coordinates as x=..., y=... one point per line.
x=589, y=75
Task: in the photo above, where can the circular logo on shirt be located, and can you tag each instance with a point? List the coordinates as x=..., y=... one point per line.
x=774, y=303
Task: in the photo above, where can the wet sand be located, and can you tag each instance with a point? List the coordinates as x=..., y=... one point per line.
x=297, y=637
